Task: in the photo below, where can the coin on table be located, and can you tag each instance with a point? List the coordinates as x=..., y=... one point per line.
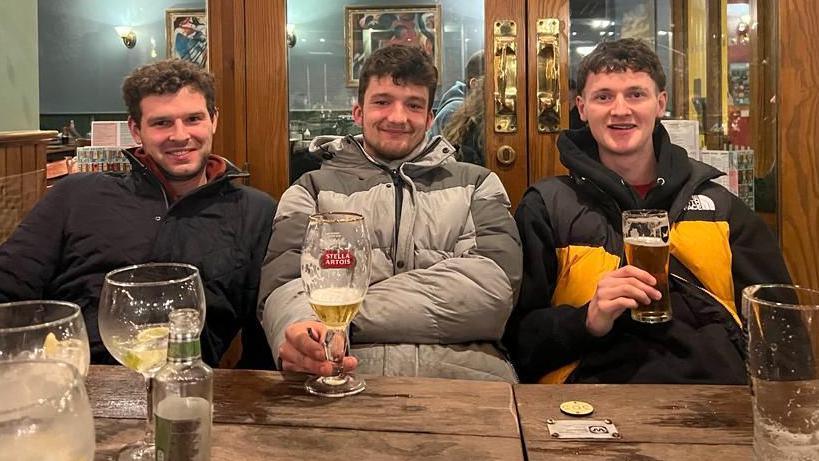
x=576, y=408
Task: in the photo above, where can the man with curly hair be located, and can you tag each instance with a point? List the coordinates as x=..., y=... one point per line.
x=177, y=204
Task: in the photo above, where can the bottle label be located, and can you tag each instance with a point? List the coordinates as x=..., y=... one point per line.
x=181, y=439
x=184, y=349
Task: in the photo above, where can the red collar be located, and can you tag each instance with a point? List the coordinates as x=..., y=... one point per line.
x=214, y=169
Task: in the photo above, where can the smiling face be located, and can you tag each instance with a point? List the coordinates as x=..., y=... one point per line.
x=177, y=132
x=394, y=118
x=621, y=109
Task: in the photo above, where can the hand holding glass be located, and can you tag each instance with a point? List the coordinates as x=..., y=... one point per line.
x=335, y=270
x=133, y=319
x=645, y=238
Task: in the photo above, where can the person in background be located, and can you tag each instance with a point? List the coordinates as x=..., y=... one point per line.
x=454, y=97
x=177, y=204
x=446, y=254
x=568, y=325
x=465, y=126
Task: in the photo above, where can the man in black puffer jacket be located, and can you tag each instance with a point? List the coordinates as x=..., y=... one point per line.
x=178, y=204
x=568, y=324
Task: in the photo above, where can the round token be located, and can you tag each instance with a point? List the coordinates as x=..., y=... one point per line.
x=576, y=408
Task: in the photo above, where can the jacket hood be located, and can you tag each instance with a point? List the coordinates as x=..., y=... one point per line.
x=457, y=92
x=677, y=174
x=348, y=153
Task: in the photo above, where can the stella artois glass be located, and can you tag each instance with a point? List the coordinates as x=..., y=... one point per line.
x=335, y=270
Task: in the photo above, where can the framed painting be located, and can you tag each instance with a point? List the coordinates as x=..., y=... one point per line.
x=186, y=32
x=370, y=28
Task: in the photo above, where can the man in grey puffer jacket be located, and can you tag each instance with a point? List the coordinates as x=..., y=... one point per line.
x=446, y=253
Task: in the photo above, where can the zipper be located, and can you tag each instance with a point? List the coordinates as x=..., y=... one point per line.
x=398, y=185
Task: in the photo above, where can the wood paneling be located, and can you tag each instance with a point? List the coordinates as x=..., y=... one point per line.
x=544, y=159
x=22, y=175
x=798, y=101
x=267, y=98
x=227, y=62
x=514, y=176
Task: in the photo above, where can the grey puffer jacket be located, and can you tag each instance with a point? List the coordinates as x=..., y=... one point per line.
x=445, y=274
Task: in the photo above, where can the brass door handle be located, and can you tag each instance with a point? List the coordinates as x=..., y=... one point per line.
x=505, y=94
x=548, y=75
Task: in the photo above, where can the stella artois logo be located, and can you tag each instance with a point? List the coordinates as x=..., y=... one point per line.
x=337, y=259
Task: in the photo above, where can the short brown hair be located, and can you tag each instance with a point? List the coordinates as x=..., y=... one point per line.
x=619, y=56
x=166, y=77
x=405, y=64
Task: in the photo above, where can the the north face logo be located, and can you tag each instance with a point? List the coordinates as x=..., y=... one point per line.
x=700, y=203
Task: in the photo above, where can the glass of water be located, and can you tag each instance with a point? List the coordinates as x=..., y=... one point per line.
x=44, y=412
x=783, y=364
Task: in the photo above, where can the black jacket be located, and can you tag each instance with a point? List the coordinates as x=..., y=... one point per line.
x=89, y=224
x=571, y=231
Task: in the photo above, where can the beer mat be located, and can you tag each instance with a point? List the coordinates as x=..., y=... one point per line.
x=582, y=429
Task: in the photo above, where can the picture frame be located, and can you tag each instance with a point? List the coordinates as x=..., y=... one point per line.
x=186, y=34
x=368, y=28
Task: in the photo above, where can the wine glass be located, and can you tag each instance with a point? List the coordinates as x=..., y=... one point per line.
x=44, y=412
x=44, y=330
x=133, y=317
x=335, y=270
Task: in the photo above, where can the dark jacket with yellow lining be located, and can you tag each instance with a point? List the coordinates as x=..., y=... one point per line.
x=570, y=227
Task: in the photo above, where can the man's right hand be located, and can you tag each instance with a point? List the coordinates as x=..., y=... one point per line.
x=303, y=353
x=617, y=291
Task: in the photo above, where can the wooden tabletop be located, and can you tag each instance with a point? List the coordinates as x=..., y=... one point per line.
x=266, y=415
x=655, y=422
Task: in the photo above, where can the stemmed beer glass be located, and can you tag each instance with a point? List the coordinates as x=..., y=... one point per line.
x=335, y=270
x=133, y=319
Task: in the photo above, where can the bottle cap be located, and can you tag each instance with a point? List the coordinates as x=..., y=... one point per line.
x=576, y=408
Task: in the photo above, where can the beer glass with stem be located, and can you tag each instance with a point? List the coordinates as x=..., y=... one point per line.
x=133, y=320
x=335, y=270
x=44, y=330
x=645, y=238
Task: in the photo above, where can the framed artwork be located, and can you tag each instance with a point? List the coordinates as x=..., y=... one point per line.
x=186, y=31
x=370, y=28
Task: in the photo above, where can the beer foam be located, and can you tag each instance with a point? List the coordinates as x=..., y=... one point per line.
x=335, y=296
x=646, y=241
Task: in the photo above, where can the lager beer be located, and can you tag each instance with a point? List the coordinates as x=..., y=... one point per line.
x=651, y=255
x=645, y=238
x=335, y=307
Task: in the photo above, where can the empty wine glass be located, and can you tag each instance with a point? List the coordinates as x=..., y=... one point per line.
x=133, y=319
x=43, y=330
x=335, y=270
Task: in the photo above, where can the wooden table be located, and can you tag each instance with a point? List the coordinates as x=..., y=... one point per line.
x=265, y=415
x=656, y=422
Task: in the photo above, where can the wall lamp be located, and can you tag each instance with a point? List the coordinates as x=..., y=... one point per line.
x=290, y=36
x=128, y=36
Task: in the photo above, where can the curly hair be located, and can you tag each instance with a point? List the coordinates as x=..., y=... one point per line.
x=405, y=64
x=618, y=56
x=468, y=117
x=166, y=77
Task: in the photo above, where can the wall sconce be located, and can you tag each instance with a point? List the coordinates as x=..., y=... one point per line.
x=127, y=35
x=290, y=36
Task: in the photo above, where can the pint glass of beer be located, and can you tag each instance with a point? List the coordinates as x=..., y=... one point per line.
x=645, y=238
